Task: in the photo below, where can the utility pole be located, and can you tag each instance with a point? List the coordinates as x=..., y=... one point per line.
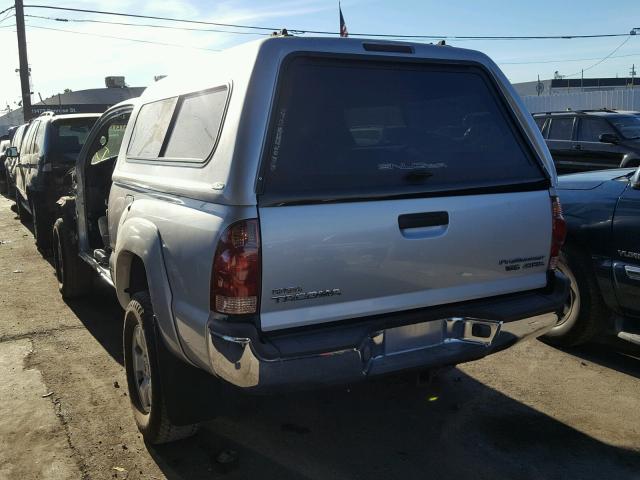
x=25, y=84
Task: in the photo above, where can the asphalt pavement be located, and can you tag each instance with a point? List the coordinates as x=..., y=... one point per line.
x=531, y=412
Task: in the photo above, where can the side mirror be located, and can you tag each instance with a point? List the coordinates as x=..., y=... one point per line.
x=609, y=138
x=12, y=152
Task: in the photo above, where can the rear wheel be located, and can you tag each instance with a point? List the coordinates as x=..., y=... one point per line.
x=142, y=363
x=41, y=227
x=584, y=313
x=11, y=192
x=23, y=214
x=74, y=276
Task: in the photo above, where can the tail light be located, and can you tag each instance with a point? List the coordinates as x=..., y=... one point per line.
x=235, y=277
x=558, y=232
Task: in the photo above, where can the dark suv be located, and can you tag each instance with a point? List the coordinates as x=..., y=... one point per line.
x=47, y=152
x=584, y=140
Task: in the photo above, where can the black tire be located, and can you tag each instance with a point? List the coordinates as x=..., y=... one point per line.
x=150, y=409
x=23, y=214
x=75, y=278
x=585, y=314
x=11, y=191
x=4, y=183
x=42, y=225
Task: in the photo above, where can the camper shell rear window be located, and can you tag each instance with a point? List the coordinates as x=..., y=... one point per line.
x=350, y=129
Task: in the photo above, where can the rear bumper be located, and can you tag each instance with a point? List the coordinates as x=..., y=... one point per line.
x=352, y=351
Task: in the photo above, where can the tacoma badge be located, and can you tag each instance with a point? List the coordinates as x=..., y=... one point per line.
x=293, y=294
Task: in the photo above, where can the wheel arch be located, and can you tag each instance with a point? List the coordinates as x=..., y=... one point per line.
x=139, y=265
x=598, y=265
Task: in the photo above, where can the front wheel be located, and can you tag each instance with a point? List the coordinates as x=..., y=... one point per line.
x=584, y=312
x=142, y=365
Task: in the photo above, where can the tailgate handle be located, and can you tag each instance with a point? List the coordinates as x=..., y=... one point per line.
x=422, y=220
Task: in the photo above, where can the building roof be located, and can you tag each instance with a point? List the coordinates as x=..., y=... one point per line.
x=593, y=82
x=93, y=100
x=106, y=96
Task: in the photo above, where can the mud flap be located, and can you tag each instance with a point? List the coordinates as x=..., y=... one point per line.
x=191, y=394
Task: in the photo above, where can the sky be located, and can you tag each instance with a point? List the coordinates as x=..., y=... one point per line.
x=82, y=59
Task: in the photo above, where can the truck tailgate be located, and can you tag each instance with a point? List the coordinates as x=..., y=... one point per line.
x=323, y=263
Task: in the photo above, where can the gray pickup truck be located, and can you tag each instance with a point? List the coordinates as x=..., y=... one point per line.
x=308, y=211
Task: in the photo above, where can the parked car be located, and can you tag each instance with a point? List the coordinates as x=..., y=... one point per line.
x=49, y=149
x=588, y=140
x=279, y=239
x=12, y=158
x=601, y=256
x=4, y=144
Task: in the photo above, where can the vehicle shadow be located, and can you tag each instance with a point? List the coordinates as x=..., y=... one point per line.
x=610, y=352
x=453, y=428
x=102, y=316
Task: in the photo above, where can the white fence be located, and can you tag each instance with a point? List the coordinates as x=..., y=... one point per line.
x=627, y=99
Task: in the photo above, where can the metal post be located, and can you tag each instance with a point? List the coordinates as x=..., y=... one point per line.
x=633, y=90
x=24, y=63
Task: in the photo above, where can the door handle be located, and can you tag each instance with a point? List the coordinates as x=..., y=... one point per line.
x=577, y=147
x=422, y=220
x=632, y=272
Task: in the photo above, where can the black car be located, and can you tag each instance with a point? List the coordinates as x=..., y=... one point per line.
x=48, y=151
x=601, y=256
x=588, y=140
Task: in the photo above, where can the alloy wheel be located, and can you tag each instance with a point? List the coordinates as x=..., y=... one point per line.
x=141, y=369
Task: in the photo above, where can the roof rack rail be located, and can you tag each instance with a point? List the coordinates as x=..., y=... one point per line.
x=604, y=109
x=570, y=110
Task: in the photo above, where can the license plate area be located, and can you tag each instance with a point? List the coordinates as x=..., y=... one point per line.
x=413, y=337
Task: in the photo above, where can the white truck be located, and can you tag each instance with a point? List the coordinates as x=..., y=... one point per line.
x=308, y=211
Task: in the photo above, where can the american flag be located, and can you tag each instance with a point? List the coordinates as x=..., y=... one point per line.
x=343, y=26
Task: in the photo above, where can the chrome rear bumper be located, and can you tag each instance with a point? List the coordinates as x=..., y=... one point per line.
x=418, y=346
x=354, y=350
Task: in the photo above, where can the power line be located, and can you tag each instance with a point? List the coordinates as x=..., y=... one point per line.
x=601, y=60
x=189, y=29
x=567, y=60
x=151, y=17
x=321, y=32
x=7, y=17
x=123, y=38
x=206, y=30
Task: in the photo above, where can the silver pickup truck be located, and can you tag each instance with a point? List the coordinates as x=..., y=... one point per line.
x=307, y=211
